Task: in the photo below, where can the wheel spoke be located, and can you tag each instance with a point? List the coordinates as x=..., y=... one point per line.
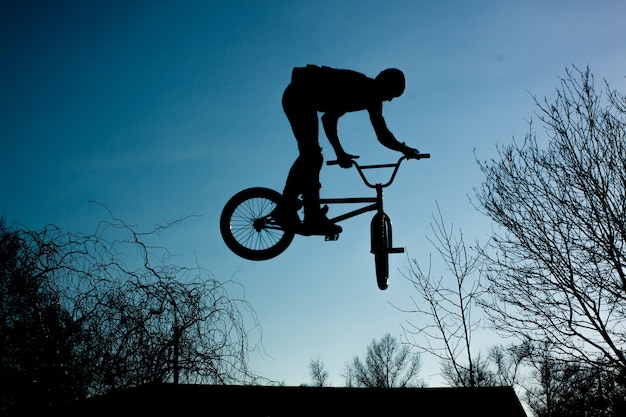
x=247, y=228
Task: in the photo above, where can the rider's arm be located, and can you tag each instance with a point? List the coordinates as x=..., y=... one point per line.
x=384, y=135
x=329, y=122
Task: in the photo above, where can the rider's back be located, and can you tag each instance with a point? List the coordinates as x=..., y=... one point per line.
x=335, y=90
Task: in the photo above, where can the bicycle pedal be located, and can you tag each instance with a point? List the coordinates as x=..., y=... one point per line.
x=332, y=237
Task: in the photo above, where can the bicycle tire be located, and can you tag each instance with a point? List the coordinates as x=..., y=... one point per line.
x=248, y=228
x=381, y=242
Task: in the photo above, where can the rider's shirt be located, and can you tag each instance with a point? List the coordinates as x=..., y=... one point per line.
x=336, y=91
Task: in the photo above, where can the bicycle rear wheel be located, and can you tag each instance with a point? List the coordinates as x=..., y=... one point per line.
x=381, y=243
x=248, y=228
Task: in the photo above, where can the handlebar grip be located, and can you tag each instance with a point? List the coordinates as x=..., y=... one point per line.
x=333, y=162
x=423, y=156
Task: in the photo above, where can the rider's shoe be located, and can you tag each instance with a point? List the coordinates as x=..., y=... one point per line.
x=319, y=224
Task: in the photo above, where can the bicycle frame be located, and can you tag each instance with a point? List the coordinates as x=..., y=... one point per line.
x=376, y=202
x=249, y=226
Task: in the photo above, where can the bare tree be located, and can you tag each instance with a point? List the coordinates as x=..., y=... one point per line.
x=36, y=332
x=556, y=265
x=448, y=303
x=318, y=373
x=129, y=315
x=478, y=375
x=571, y=389
x=508, y=363
x=387, y=364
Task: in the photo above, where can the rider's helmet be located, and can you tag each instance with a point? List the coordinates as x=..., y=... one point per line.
x=391, y=83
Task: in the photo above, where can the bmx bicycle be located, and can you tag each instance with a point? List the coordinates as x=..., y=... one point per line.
x=250, y=231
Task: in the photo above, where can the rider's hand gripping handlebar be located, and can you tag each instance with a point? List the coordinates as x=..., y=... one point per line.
x=418, y=155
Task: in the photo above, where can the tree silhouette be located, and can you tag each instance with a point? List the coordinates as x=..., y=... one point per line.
x=387, y=364
x=556, y=263
x=448, y=303
x=571, y=389
x=318, y=373
x=103, y=311
x=37, y=334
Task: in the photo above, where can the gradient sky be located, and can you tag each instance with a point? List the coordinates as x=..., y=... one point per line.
x=164, y=109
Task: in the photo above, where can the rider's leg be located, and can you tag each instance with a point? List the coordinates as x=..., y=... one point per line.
x=293, y=185
x=312, y=161
x=315, y=220
x=304, y=174
x=303, y=120
x=286, y=211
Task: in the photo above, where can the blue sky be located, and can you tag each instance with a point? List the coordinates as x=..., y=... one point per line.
x=164, y=109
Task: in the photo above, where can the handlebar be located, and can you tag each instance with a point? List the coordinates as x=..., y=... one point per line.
x=395, y=167
x=417, y=156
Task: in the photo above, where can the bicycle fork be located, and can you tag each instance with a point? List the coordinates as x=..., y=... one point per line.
x=381, y=230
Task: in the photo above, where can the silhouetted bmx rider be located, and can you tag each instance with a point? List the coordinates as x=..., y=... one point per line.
x=333, y=92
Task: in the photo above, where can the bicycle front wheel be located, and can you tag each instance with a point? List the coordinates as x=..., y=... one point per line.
x=381, y=243
x=248, y=228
